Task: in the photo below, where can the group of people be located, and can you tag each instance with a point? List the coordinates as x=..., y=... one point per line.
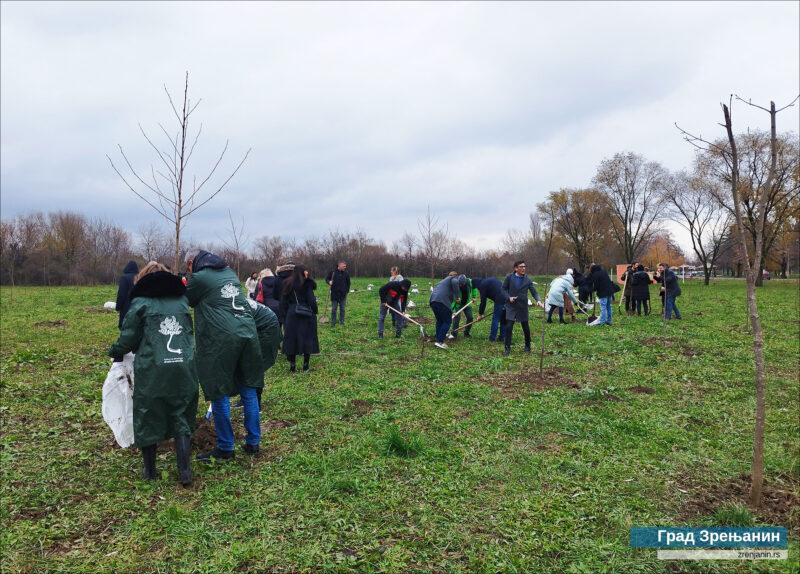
x=226, y=350
x=234, y=339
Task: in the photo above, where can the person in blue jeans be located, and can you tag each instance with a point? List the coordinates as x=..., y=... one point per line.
x=444, y=294
x=605, y=290
x=492, y=288
x=672, y=289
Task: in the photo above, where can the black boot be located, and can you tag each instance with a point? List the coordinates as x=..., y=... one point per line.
x=292, y=367
x=149, y=458
x=306, y=359
x=183, y=452
x=527, y=349
x=507, y=352
x=562, y=321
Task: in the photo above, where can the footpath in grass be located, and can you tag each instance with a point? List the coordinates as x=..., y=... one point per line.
x=394, y=456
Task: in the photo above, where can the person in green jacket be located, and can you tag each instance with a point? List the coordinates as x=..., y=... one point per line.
x=468, y=295
x=229, y=358
x=158, y=328
x=269, y=336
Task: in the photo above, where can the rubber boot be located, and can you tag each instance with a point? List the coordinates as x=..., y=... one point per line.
x=183, y=453
x=149, y=458
x=306, y=359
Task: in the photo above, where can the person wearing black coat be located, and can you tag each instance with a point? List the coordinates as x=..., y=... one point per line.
x=605, y=290
x=395, y=295
x=585, y=285
x=300, y=331
x=282, y=273
x=339, y=280
x=124, y=290
x=265, y=292
x=641, y=290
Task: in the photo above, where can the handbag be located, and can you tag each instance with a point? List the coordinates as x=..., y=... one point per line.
x=301, y=308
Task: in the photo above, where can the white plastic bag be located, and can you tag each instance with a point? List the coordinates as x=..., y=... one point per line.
x=118, y=401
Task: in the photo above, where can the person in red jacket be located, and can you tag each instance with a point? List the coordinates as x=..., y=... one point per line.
x=395, y=295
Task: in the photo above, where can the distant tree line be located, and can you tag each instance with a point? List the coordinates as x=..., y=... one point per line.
x=619, y=217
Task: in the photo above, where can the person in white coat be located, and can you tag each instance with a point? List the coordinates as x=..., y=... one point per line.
x=558, y=288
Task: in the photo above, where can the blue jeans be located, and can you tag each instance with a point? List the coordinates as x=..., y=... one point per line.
x=669, y=306
x=340, y=304
x=252, y=418
x=605, y=310
x=496, y=322
x=399, y=322
x=444, y=317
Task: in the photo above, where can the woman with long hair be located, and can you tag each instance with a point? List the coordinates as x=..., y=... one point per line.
x=299, y=304
x=158, y=327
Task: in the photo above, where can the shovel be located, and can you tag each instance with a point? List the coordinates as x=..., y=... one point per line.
x=468, y=324
x=393, y=310
x=460, y=310
x=324, y=317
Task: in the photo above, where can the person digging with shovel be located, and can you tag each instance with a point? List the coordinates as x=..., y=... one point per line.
x=395, y=295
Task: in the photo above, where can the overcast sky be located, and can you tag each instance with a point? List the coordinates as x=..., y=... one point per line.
x=360, y=114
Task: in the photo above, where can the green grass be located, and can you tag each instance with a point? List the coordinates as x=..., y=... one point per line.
x=388, y=457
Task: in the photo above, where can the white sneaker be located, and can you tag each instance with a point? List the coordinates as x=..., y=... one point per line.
x=440, y=345
x=451, y=336
x=594, y=323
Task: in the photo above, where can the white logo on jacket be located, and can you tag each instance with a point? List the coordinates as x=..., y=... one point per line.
x=229, y=291
x=170, y=326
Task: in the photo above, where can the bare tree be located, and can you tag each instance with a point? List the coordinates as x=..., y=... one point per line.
x=755, y=150
x=272, y=250
x=153, y=244
x=163, y=190
x=433, y=238
x=632, y=188
x=730, y=156
x=236, y=240
x=692, y=204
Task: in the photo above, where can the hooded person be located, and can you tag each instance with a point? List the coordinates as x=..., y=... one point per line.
x=269, y=336
x=124, y=290
x=158, y=326
x=265, y=292
x=516, y=287
x=393, y=294
x=229, y=358
x=282, y=273
x=560, y=288
x=444, y=294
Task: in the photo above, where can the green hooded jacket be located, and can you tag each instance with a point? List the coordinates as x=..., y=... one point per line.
x=158, y=328
x=269, y=332
x=226, y=338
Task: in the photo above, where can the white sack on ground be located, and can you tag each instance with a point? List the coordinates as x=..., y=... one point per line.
x=118, y=401
x=109, y=305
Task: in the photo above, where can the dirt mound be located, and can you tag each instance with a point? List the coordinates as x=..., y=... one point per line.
x=642, y=390
x=515, y=385
x=776, y=506
x=99, y=310
x=205, y=435
x=60, y=323
x=421, y=321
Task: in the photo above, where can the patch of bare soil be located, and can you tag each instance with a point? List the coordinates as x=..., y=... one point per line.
x=356, y=408
x=99, y=310
x=779, y=506
x=205, y=435
x=421, y=321
x=551, y=442
x=643, y=390
x=591, y=404
x=277, y=424
x=60, y=323
x=515, y=385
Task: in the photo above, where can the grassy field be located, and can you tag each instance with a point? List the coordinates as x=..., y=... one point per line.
x=388, y=457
